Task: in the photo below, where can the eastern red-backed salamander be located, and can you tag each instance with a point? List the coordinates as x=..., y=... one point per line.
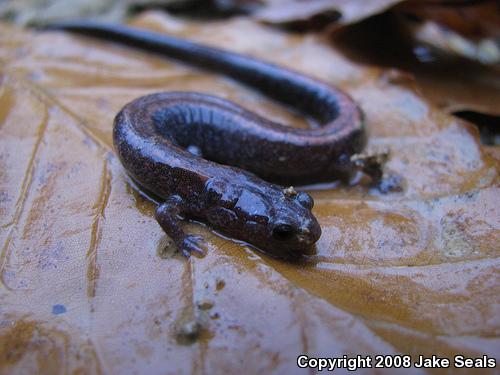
x=202, y=154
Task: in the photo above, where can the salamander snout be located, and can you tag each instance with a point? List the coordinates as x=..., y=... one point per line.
x=303, y=234
x=294, y=235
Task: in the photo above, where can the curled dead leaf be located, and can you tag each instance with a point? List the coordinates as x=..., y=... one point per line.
x=320, y=12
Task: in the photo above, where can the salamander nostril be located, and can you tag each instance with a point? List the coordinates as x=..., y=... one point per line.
x=283, y=231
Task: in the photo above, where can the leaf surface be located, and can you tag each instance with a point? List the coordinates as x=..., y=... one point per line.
x=83, y=288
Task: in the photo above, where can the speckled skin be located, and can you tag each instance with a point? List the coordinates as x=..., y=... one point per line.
x=152, y=136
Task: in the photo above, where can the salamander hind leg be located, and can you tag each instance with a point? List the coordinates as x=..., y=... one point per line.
x=168, y=215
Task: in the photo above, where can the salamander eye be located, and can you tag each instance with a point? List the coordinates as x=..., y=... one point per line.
x=305, y=200
x=283, y=232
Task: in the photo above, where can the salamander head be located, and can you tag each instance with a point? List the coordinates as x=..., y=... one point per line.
x=277, y=221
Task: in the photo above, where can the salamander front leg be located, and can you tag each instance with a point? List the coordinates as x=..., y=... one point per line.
x=168, y=216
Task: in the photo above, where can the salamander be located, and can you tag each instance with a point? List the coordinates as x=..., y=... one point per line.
x=211, y=160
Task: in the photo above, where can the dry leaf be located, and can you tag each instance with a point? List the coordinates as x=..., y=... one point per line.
x=340, y=11
x=84, y=291
x=434, y=36
x=28, y=12
x=474, y=19
x=451, y=82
